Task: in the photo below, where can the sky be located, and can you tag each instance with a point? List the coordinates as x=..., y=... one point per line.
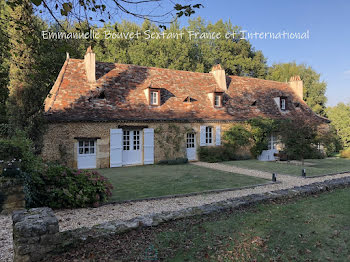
x=327, y=50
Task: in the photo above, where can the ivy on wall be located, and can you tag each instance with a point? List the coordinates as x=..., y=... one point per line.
x=171, y=139
x=254, y=132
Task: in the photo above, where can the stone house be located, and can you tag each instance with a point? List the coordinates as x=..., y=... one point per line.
x=109, y=115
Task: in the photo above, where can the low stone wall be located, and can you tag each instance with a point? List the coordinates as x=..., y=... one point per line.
x=36, y=234
x=11, y=195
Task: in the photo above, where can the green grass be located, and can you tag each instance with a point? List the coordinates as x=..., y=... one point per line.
x=315, y=228
x=309, y=229
x=159, y=180
x=320, y=167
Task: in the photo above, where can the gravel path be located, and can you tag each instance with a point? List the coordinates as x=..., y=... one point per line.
x=87, y=217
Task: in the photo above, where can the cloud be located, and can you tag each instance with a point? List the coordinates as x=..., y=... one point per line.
x=347, y=72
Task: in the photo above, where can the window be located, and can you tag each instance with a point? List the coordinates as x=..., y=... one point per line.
x=126, y=140
x=283, y=103
x=154, y=97
x=136, y=140
x=190, y=140
x=217, y=100
x=208, y=135
x=86, y=147
x=272, y=144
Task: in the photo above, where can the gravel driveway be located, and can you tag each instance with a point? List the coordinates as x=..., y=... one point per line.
x=75, y=218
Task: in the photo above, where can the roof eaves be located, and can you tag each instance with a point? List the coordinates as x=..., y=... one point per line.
x=50, y=99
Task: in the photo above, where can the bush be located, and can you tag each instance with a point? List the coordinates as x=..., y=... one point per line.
x=237, y=136
x=345, y=153
x=177, y=161
x=62, y=187
x=219, y=153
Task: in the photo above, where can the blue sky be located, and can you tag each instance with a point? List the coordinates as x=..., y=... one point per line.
x=327, y=50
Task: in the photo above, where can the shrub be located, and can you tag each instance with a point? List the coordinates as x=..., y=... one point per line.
x=20, y=148
x=218, y=154
x=261, y=129
x=177, y=161
x=345, y=153
x=237, y=136
x=61, y=187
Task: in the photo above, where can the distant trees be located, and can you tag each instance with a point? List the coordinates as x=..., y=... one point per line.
x=340, y=117
x=314, y=88
x=237, y=56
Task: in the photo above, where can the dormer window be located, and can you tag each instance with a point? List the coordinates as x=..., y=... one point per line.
x=218, y=100
x=154, y=97
x=283, y=103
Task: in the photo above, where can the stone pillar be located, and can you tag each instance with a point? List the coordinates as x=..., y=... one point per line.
x=11, y=195
x=34, y=234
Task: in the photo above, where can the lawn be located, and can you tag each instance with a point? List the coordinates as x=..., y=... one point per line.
x=320, y=167
x=159, y=180
x=316, y=228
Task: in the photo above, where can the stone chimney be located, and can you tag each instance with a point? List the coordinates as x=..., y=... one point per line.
x=219, y=74
x=90, y=65
x=297, y=85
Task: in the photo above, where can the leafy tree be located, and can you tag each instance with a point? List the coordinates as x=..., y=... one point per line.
x=314, y=88
x=4, y=63
x=340, y=120
x=299, y=137
x=237, y=136
x=261, y=129
x=86, y=10
x=182, y=53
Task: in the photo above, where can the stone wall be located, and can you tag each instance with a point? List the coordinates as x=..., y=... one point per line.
x=60, y=145
x=36, y=234
x=11, y=195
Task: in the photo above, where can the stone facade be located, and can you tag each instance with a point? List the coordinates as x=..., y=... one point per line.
x=11, y=195
x=60, y=143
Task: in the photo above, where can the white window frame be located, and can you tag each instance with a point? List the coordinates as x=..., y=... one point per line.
x=87, y=147
x=136, y=139
x=208, y=135
x=154, y=98
x=283, y=104
x=217, y=100
x=126, y=140
x=190, y=143
x=273, y=141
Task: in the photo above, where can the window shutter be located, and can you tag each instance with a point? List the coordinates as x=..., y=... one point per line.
x=148, y=146
x=202, y=136
x=116, y=147
x=218, y=135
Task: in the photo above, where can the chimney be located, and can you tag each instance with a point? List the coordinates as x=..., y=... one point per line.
x=297, y=85
x=90, y=64
x=220, y=77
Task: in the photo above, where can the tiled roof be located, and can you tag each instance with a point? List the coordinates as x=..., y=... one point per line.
x=118, y=94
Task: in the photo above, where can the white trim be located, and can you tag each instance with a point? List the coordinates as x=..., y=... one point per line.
x=148, y=146
x=218, y=135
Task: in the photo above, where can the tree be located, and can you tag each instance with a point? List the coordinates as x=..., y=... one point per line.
x=4, y=63
x=314, y=88
x=299, y=137
x=237, y=136
x=103, y=10
x=182, y=53
x=340, y=120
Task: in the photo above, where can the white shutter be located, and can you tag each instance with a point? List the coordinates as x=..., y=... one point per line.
x=116, y=148
x=148, y=146
x=202, y=136
x=218, y=135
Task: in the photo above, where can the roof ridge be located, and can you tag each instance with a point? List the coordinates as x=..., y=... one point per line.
x=178, y=70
